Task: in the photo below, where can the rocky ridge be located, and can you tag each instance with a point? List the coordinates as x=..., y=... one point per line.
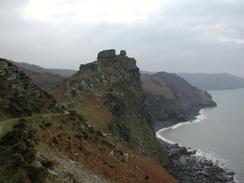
x=114, y=81
x=49, y=145
x=19, y=96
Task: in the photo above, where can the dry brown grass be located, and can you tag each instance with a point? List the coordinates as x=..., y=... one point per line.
x=94, y=152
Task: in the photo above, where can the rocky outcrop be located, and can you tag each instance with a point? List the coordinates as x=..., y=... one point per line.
x=106, y=54
x=171, y=99
x=114, y=80
x=19, y=96
x=187, y=167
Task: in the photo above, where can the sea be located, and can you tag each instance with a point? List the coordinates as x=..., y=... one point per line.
x=217, y=133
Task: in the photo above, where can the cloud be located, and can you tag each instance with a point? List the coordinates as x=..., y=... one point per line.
x=179, y=35
x=90, y=11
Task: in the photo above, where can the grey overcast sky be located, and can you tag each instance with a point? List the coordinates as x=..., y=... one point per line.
x=163, y=35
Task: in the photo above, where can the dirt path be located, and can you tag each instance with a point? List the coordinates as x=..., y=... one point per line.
x=28, y=117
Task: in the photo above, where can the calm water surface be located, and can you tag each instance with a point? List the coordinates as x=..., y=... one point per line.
x=220, y=132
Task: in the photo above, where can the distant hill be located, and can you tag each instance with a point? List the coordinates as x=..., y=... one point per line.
x=63, y=72
x=19, y=96
x=45, y=78
x=171, y=99
x=219, y=81
x=36, y=68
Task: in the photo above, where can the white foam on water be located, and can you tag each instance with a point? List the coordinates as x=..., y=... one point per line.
x=199, y=154
x=201, y=116
x=158, y=135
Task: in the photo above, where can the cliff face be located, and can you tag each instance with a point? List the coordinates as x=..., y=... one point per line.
x=171, y=99
x=65, y=147
x=19, y=96
x=113, y=84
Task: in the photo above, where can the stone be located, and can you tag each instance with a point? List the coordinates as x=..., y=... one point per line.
x=125, y=157
x=123, y=53
x=106, y=54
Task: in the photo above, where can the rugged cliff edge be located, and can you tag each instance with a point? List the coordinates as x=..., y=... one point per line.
x=170, y=99
x=106, y=141
x=113, y=83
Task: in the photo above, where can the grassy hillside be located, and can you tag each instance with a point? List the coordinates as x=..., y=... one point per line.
x=63, y=148
x=171, y=99
x=19, y=96
x=107, y=141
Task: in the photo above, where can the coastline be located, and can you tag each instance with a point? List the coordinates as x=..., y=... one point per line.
x=193, y=166
x=196, y=119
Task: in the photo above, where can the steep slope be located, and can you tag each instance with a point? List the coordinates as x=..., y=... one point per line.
x=42, y=77
x=57, y=147
x=171, y=99
x=65, y=148
x=19, y=96
x=108, y=93
x=218, y=81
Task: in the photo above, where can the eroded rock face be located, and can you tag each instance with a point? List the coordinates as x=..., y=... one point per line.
x=190, y=168
x=116, y=79
x=106, y=54
x=123, y=53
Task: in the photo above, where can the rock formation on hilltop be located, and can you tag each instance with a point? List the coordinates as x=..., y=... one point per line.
x=40, y=144
x=113, y=83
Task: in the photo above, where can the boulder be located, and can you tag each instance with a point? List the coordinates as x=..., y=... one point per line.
x=123, y=53
x=106, y=54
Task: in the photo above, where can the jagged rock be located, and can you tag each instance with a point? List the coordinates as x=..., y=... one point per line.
x=116, y=79
x=122, y=53
x=188, y=168
x=106, y=54
x=125, y=157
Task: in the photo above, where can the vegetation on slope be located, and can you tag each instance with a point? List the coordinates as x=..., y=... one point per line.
x=50, y=147
x=42, y=77
x=63, y=148
x=19, y=96
x=111, y=88
x=171, y=99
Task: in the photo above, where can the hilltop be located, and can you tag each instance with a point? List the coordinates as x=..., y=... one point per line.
x=110, y=87
x=80, y=143
x=217, y=81
x=169, y=97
